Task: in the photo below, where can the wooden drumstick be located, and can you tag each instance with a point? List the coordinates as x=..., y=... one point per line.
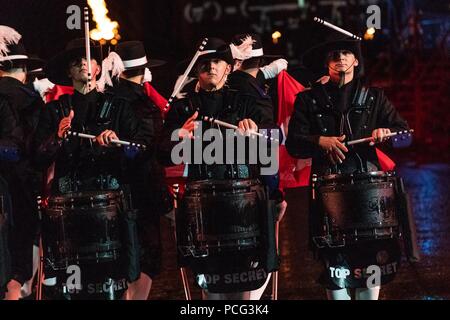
x=371, y=139
x=232, y=126
x=88, y=46
x=119, y=142
x=332, y=26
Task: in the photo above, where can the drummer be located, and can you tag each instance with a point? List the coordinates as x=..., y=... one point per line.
x=86, y=165
x=338, y=108
x=215, y=99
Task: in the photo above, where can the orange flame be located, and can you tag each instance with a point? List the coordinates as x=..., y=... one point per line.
x=105, y=28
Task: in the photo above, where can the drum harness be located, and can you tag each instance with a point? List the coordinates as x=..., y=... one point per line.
x=104, y=117
x=360, y=103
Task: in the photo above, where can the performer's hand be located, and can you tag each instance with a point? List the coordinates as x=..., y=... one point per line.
x=247, y=126
x=65, y=124
x=334, y=148
x=104, y=138
x=379, y=135
x=188, y=127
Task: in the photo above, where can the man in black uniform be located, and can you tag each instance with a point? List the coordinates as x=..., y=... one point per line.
x=340, y=108
x=84, y=165
x=24, y=182
x=214, y=272
x=148, y=188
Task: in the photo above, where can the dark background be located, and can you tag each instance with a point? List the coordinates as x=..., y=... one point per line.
x=408, y=56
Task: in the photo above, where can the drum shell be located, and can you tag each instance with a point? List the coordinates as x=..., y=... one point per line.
x=220, y=215
x=357, y=207
x=83, y=228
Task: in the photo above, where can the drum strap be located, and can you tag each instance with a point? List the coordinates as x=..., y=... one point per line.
x=65, y=105
x=360, y=97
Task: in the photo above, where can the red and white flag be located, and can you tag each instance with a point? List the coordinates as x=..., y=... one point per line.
x=293, y=172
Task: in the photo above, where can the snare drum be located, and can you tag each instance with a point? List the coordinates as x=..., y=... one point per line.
x=356, y=207
x=219, y=215
x=83, y=228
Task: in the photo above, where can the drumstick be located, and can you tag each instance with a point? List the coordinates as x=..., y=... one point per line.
x=90, y=136
x=87, y=40
x=332, y=26
x=371, y=139
x=232, y=126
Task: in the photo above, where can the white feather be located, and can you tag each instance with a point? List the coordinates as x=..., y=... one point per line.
x=112, y=66
x=244, y=50
x=147, y=76
x=8, y=36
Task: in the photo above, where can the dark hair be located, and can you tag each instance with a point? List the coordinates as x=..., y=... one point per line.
x=134, y=73
x=252, y=63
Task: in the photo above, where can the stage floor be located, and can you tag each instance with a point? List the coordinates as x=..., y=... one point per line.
x=429, y=279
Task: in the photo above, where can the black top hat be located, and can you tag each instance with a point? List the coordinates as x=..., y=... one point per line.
x=218, y=49
x=133, y=56
x=257, y=50
x=13, y=53
x=58, y=65
x=315, y=58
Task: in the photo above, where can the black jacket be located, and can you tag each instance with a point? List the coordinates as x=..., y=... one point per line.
x=81, y=161
x=244, y=82
x=317, y=112
x=146, y=174
x=227, y=105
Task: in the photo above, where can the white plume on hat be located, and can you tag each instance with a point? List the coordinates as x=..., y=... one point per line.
x=7, y=36
x=244, y=50
x=112, y=66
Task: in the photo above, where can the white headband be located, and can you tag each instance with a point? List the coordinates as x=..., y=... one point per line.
x=135, y=62
x=257, y=52
x=13, y=57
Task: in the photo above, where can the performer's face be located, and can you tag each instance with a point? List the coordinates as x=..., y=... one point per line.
x=78, y=69
x=213, y=73
x=341, y=61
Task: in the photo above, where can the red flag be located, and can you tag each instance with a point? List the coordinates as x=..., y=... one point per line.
x=293, y=172
x=56, y=92
x=154, y=95
x=386, y=163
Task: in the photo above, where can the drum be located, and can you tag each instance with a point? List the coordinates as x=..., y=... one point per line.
x=355, y=207
x=219, y=215
x=83, y=228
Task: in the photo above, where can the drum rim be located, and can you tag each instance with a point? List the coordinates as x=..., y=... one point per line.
x=85, y=194
x=358, y=176
x=202, y=184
